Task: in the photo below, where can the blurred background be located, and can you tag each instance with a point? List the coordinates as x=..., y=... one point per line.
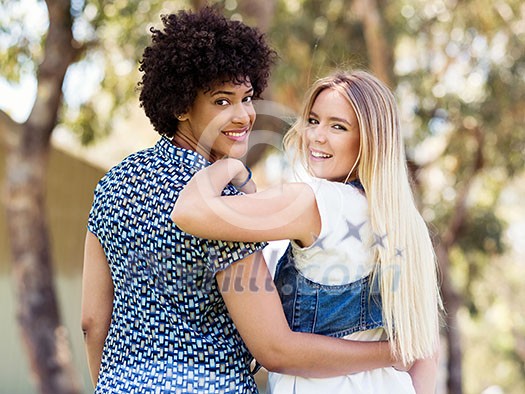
x=69, y=111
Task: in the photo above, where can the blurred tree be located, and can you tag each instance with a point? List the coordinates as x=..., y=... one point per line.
x=458, y=69
x=82, y=38
x=84, y=41
x=464, y=67
x=27, y=150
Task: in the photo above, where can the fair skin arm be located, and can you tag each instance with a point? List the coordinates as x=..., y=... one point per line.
x=263, y=325
x=201, y=210
x=288, y=211
x=97, y=302
x=255, y=307
x=424, y=374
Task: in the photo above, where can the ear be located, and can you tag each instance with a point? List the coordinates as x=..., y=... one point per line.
x=182, y=117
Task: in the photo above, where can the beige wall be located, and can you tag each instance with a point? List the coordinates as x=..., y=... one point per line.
x=70, y=192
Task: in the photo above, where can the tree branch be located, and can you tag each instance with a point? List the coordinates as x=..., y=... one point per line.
x=37, y=308
x=460, y=212
x=379, y=52
x=9, y=130
x=59, y=53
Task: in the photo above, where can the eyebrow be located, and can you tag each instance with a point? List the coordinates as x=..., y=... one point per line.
x=332, y=118
x=229, y=92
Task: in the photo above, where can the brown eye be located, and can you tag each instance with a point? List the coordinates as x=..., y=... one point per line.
x=339, y=127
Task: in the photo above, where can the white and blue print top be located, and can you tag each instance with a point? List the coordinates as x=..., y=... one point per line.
x=170, y=331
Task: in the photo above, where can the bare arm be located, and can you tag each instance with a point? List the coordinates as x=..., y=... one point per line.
x=424, y=374
x=288, y=211
x=97, y=302
x=256, y=310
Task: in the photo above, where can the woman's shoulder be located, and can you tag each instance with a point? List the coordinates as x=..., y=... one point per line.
x=331, y=190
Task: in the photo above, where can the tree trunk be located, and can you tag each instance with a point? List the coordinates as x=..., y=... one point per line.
x=198, y=4
x=452, y=302
x=451, y=298
x=260, y=14
x=379, y=52
x=44, y=337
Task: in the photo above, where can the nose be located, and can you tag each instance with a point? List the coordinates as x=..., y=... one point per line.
x=318, y=134
x=243, y=113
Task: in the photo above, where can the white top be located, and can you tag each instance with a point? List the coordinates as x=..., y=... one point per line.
x=342, y=254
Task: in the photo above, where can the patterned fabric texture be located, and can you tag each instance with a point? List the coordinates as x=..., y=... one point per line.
x=170, y=330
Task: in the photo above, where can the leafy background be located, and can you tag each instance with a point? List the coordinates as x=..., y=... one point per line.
x=458, y=71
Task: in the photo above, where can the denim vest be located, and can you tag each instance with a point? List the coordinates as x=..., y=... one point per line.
x=334, y=311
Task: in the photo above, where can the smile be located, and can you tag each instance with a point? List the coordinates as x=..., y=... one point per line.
x=237, y=134
x=320, y=155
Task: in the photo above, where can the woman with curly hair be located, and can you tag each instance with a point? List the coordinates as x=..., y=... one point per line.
x=165, y=311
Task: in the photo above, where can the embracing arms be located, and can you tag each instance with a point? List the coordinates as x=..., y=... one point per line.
x=288, y=211
x=285, y=212
x=255, y=307
x=256, y=310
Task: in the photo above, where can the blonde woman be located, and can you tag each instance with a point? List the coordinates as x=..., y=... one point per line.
x=360, y=265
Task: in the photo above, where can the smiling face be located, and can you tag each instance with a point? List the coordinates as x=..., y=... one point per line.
x=332, y=137
x=219, y=121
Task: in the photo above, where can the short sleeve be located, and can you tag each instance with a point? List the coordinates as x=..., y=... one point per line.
x=330, y=204
x=219, y=255
x=94, y=218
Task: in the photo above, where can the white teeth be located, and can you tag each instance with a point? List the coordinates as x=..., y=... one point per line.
x=234, y=134
x=320, y=155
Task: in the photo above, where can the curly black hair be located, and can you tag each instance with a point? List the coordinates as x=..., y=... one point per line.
x=195, y=51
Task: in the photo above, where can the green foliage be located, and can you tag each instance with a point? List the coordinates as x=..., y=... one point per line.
x=483, y=232
x=460, y=72
x=115, y=33
x=20, y=48
x=112, y=36
x=305, y=32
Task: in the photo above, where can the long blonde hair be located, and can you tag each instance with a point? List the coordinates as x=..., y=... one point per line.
x=405, y=261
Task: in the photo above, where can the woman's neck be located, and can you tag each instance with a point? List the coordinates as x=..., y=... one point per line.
x=183, y=141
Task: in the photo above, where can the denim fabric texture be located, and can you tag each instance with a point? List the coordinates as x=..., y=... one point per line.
x=332, y=310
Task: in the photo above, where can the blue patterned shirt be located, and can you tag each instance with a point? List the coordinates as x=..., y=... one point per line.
x=170, y=331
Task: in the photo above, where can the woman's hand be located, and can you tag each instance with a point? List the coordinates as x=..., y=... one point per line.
x=287, y=211
x=400, y=366
x=242, y=177
x=249, y=188
x=424, y=374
